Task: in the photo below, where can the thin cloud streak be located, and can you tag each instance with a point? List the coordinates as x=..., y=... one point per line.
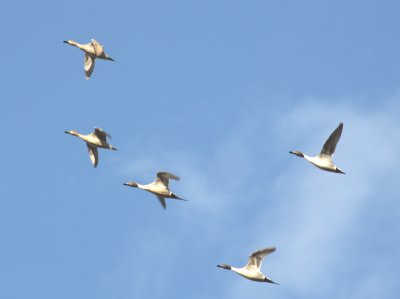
x=316, y=211
x=313, y=217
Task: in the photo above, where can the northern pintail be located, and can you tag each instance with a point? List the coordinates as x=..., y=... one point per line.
x=252, y=269
x=324, y=159
x=94, y=140
x=92, y=51
x=159, y=187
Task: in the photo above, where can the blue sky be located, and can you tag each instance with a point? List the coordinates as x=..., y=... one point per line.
x=216, y=92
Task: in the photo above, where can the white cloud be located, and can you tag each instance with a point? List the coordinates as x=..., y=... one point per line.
x=316, y=212
x=251, y=193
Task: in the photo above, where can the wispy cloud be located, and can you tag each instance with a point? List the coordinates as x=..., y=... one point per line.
x=250, y=193
x=318, y=216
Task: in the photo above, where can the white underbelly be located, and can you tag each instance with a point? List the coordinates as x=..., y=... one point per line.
x=256, y=276
x=323, y=164
x=159, y=190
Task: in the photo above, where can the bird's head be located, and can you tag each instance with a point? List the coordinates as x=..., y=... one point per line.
x=131, y=184
x=224, y=266
x=72, y=132
x=297, y=153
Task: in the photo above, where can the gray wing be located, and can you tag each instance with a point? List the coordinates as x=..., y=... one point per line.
x=89, y=65
x=255, y=259
x=162, y=201
x=330, y=143
x=98, y=48
x=163, y=178
x=94, y=157
x=101, y=134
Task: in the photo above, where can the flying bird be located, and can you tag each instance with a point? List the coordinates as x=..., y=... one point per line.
x=92, y=51
x=252, y=269
x=94, y=140
x=324, y=159
x=159, y=187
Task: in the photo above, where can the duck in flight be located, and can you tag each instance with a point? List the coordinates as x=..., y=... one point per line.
x=159, y=187
x=92, y=51
x=94, y=140
x=324, y=159
x=252, y=269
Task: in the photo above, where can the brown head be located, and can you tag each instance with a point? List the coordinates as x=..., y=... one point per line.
x=131, y=184
x=224, y=266
x=297, y=153
x=71, y=42
x=72, y=132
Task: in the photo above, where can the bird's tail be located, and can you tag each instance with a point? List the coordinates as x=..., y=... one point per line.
x=177, y=197
x=270, y=281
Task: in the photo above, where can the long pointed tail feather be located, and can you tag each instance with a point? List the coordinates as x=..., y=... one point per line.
x=174, y=196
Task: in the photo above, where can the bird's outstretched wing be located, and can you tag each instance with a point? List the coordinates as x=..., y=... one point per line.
x=89, y=65
x=255, y=259
x=330, y=143
x=94, y=157
x=97, y=47
x=163, y=178
x=162, y=201
x=101, y=134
